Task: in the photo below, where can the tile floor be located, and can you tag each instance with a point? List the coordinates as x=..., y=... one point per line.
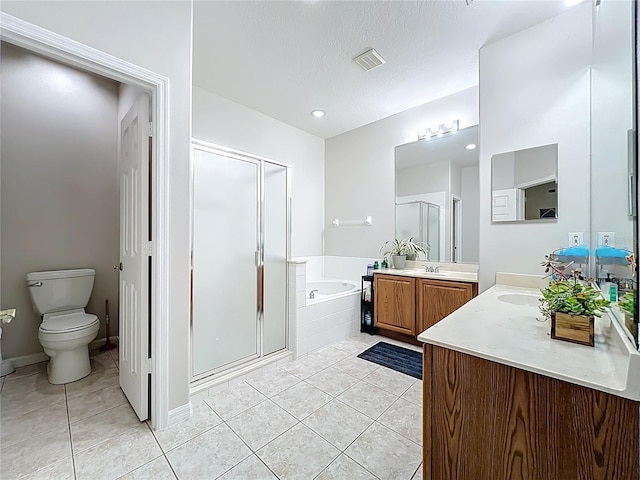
x=329, y=415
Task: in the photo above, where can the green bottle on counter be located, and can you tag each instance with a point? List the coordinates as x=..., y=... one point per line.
x=384, y=263
x=375, y=265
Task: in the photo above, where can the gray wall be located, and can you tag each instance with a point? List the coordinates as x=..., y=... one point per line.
x=59, y=188
x=470, y=214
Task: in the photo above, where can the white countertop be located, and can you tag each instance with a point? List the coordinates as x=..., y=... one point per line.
x=449, y=275
x=512, y=335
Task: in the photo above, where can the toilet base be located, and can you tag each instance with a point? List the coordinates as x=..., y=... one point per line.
x=66, y=366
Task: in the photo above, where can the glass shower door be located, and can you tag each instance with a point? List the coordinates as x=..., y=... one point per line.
x=275, y=247
x=224, y=273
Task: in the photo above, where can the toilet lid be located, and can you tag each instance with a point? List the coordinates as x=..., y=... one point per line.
x=68, y=322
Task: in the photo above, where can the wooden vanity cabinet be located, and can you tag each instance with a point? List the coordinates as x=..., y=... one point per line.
x=438, y=298
x=410, y=305
x=488, y=421
x=395, y=305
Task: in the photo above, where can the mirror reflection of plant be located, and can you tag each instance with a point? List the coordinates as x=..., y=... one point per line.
x=572, y=296
x=404, y=247
x=628, y=303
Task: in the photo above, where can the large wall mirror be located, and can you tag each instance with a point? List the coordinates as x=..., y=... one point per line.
x=437, y=195
x=524, y=184
x=613, y=153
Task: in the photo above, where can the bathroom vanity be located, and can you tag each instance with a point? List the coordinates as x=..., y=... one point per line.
x=504, y=400
x=410, y=301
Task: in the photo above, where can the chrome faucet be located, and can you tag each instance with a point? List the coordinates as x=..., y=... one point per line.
x=312, y=294
x=432, y=269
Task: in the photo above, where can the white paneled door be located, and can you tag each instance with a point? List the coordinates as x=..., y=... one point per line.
x=133, y=172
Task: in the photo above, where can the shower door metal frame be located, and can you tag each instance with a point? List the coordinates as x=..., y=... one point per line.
x=205, y=146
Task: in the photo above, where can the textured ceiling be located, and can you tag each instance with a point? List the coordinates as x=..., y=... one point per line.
x=286, y=58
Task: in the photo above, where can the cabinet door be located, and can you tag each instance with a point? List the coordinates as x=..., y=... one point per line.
x=395, y=304
x=437, y=299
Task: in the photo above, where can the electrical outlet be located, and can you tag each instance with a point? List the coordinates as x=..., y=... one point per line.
x=576, y=238
x=607, y=239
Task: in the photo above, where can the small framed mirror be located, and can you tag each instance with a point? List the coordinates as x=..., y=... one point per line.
x=524, y=185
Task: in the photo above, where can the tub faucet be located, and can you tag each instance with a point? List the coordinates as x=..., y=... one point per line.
x=312, y=294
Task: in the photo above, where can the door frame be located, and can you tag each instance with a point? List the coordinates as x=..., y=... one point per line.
x=456, y=228
x=70, y=52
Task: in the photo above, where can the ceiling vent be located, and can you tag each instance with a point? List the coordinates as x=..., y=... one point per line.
x=369, y=60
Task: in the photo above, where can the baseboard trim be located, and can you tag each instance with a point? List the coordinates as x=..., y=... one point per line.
x=99, y=342
x=29, y=359
x=180, y=414
x=43, y=357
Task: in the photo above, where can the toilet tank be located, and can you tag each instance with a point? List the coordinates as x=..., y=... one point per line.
x=60, y=290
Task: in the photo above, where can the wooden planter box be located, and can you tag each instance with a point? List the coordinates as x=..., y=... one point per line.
x=572, y=328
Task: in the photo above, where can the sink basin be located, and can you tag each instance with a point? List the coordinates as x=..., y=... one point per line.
x=522, y=299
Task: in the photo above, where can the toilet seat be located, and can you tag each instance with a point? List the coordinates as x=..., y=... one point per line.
x=67, y=322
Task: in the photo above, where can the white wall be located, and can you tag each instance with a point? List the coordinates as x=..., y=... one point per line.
x=534, y=90
x=226, y=123
x=59, y=185
x=470, y=214
x=156, y=36
x=611, y=117
x=360, y=172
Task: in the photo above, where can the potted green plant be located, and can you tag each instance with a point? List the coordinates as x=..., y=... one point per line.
x=572, y=305
x=400, y=249
x=628, y=304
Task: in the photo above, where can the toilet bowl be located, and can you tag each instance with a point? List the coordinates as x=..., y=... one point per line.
x=65, y=337
x=66, y=329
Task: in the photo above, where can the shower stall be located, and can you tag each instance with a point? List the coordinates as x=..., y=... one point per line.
x=240, y=246
x=420, y=220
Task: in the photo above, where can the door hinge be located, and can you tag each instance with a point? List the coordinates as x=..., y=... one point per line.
x=149, y=129
x=149, y=249
x=149, y=366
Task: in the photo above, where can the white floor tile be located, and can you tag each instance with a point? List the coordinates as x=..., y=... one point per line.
x=234, y=400
x=343, y=468
x=157, y=469
x=208, y=455
x=250, y=469
x=390, y=380
x=261, y=424
x=31, y=455
x=332, y=381
x=94, y=382
x=203, y=419
x=119, y=455
x=90, y=404
x=356, y=367
x=304, y=367
x=368, y=399
x=385, y=453
x=328, y=355
x=418, y=474
x=338, y=423
x=27, y=383
x=301, y=400
x=414, y=394
x=404, y=418
x=19, y=403
x=103, y=426
x=28, y=370
x=274, y=382
x=101, y=361
x=62, y=470
x=298, y=454
x=17, y=428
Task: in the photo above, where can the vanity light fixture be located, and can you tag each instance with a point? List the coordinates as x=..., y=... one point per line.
x=318, y=113
x=471, y=146
x=440, y=130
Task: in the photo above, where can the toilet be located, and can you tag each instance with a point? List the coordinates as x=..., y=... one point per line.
x=60, y=296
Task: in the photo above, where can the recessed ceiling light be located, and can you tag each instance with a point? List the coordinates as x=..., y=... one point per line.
x=471, y=146
x=318, y=113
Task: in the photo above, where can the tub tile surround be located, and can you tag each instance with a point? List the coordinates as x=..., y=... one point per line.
x=518, y=336
x=300, y=423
